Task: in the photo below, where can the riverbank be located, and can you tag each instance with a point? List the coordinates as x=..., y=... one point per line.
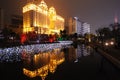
x=109, y=53
x=8, y=53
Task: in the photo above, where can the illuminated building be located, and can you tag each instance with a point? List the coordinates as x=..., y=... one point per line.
x=41, y=19
x=86, y=28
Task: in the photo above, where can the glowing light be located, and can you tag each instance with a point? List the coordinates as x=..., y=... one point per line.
x=8, y=53
x=29, y=73
x=54, y=58
x=106, y=44
x=112, y=43
x=38, y=15
x=23, y=38
x=59, y=18
x=34, y=7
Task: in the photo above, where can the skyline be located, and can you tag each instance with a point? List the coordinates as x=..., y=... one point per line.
x=96, y=13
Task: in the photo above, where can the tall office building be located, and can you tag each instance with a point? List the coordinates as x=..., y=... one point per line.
x=85, y=28
x=74, y=25
x=78, y=26
x=41, y=19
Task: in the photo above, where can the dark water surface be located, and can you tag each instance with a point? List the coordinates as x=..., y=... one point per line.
x=77, y=62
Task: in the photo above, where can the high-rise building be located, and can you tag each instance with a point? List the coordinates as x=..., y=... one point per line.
x=78, y=24
x=85, y=28
x=41, y=19
x=71, y=28
x=75, y=25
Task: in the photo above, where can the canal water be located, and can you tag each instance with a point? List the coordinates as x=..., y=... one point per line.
x=75, y=62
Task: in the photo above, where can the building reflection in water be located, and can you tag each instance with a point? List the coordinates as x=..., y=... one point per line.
x=76, y=52
x=42, y=63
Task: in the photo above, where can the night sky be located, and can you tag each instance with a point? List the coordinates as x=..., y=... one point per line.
x=98, y=13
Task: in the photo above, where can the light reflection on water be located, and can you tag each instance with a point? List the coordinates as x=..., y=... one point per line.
x=42, y=63
x=72, y=62
x=76, y=52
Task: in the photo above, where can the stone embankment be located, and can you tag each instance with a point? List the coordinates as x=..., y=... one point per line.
x=109, y=53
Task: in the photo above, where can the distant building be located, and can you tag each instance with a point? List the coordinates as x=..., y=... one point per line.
x=1, y=18
x=16, y=24
x=75, y=25
x=38, y=18
x=16, y=20
x=116, y=25
x=13, y=22
x=71, y=27
x=85, y=28
x=78, y=24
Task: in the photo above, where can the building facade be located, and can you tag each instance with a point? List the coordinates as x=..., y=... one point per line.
x=75, y=25
x=78, y=25
x=85, y=28
x=41, y=19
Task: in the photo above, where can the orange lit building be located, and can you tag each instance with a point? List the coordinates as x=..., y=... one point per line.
x=41, y=19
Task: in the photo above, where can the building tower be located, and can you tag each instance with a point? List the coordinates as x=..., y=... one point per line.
x=116, y=24
x=115, y=19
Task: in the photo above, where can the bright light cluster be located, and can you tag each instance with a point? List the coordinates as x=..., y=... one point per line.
x=14, y=53
x=56, y=57
x=38, y=15
x=59, y=18
x=34, y=7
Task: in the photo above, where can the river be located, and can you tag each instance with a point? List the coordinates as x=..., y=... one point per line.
x=75, y=62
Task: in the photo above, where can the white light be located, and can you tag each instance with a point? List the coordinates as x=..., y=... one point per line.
x=112, y=43
x=106, y=44
x=7, y=54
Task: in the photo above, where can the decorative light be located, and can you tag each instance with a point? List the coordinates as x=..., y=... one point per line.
x=41, y=17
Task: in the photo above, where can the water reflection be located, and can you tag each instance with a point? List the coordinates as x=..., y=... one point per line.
x=42, y=63
x=76, y=52
x=61, y=63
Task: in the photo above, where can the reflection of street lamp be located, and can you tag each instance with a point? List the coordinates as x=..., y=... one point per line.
x=36, y=29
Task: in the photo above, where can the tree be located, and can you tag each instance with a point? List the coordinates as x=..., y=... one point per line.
x=104, y=33
x=63, y=34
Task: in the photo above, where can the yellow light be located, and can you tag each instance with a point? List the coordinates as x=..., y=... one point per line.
x=29, y=7
x=34, y=7
x=60, y=18
x=38, y=15
x=43, y=71
x=29, y=73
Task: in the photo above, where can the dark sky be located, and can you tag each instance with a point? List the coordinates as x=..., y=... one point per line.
x=98, y=13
